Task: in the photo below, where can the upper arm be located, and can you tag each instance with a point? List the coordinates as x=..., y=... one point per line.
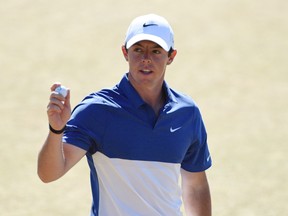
x=193, y=179
x=72, y=155
x=195, y=193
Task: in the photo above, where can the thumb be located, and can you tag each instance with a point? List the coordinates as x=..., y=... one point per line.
x=67, y=100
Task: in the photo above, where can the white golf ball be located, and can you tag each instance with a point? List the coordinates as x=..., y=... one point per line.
x=62, y=90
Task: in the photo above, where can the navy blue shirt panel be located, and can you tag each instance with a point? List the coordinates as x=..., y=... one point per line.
x=119, y=124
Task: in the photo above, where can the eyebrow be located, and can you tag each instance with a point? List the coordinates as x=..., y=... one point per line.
x=156, y=45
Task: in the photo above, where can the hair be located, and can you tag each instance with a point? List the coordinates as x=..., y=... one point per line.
x=170, y=51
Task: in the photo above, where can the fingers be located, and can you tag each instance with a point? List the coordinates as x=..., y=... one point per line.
x=58, y=100
x=58, y=108
x=55, y=85
x=56, y=103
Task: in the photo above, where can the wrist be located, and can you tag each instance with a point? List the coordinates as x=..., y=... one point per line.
x=57, y=131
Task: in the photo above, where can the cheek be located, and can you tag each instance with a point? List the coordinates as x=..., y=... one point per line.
x=133, y=58
x=133, y=62
x=164, y=58
x=162, y=61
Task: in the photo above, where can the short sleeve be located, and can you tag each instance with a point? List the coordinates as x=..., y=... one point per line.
x=197, y=157
x=86, y=126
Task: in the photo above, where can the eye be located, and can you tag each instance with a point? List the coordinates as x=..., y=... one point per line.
x=156, y=51
x=137, y=49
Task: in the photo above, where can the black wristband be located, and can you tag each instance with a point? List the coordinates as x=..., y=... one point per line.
x=57, y=131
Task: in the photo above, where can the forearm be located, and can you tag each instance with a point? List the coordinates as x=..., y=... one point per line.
x=198, y=202
x=51, y=160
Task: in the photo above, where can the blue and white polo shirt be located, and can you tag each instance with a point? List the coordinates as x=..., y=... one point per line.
x=134, y=156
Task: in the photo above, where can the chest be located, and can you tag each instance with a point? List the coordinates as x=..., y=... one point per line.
x=142, y=136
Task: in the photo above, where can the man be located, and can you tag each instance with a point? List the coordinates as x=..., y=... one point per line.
x=139, y=137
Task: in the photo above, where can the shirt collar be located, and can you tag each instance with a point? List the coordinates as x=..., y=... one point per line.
x=129, y=91
x=170, y=96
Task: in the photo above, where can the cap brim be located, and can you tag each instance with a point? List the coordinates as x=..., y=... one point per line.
x=141, y=37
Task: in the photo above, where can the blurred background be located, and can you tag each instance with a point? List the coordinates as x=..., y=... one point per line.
x=232, y=59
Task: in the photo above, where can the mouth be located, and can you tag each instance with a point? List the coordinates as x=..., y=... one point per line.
x=146, y=71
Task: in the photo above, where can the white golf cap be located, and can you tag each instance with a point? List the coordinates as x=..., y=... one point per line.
x=150, y=27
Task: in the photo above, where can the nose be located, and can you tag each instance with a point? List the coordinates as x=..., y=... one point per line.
x=146, y=58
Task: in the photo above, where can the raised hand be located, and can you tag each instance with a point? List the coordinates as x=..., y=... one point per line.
x=59, y=108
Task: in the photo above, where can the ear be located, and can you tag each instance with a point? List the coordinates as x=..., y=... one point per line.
x=171, y=57
x=125, y=52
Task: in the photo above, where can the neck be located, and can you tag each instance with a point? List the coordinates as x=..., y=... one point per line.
x=155, y=97
x=156, y=101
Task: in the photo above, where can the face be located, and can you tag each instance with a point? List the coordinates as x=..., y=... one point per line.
x=147, y=64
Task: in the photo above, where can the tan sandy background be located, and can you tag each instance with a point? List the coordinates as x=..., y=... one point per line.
x=232, y=59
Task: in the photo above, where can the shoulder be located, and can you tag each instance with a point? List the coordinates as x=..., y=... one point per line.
x=182, y=100
x=183, y=106
x=97, y=103
x=104, y=97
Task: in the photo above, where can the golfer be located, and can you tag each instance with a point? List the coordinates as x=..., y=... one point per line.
x=140, y=137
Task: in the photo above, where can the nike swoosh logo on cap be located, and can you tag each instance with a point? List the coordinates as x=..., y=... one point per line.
x=151, y=24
